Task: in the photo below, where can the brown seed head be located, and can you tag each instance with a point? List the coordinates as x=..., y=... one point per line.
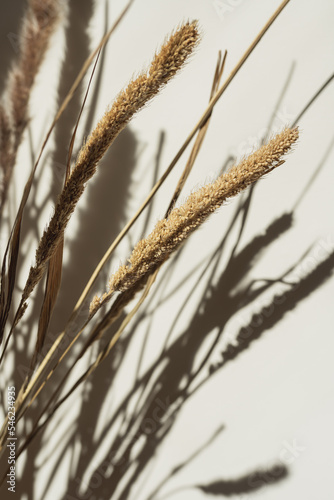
x=171, y=57
x=139, y=91
x=170, y=233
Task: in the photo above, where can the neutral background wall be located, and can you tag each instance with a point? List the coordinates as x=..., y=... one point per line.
x=274, y=403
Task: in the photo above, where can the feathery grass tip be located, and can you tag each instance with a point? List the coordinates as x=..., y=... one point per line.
x=170, y=233
x=171, y=57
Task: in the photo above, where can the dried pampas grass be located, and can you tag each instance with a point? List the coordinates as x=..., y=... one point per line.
x=148, y=254
x=171, y=232
x=166, y=63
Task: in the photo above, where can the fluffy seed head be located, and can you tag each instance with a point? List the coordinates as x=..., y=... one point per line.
x=165, y=64
x=170, y=58
x=170, y=233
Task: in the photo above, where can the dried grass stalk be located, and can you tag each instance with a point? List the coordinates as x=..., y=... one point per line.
x=165, y=64
x=171, y=232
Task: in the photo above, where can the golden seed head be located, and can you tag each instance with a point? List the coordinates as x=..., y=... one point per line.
x=170, y=233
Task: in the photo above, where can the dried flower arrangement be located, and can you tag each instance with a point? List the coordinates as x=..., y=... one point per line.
x=99, y=326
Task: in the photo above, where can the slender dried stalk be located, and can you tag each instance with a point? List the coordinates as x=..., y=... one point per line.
x=165, y=64
x=53, y=280
x=170, y=233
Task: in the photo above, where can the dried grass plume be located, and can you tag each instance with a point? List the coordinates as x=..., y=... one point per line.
x=170, y=233
x=166, y=63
